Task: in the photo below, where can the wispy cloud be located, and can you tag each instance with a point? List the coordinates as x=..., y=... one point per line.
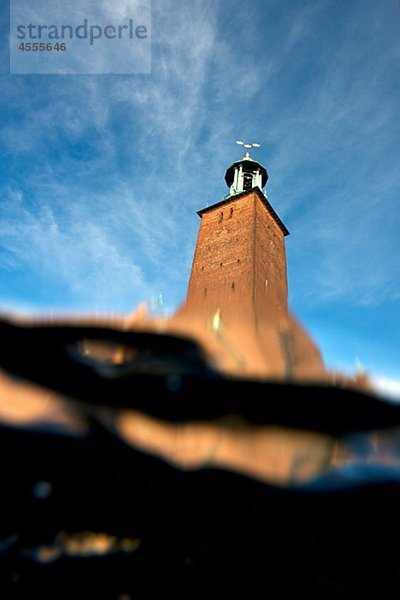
x=333, y=172
x=71, y=254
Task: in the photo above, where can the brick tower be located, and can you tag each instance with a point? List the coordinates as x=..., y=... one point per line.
x=236, y=303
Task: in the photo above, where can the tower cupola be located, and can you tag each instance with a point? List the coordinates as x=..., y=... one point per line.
x=245, y=174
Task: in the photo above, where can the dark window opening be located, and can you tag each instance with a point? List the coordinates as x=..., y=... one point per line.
x=233, y=285
x=247, y=181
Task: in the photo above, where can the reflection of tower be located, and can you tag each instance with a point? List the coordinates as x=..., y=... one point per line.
x=236, y=303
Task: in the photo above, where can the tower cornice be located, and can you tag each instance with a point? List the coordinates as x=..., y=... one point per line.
x=261, y=196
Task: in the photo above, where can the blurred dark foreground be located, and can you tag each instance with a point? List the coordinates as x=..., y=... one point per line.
x=89, y=516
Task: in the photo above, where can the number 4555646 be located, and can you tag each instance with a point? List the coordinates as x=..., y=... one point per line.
x=42, y=47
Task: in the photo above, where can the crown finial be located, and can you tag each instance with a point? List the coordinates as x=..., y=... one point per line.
x=248, y=146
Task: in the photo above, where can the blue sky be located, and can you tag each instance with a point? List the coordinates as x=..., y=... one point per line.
x=101, y=175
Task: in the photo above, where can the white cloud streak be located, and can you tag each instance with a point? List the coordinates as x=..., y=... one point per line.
x=72, y=252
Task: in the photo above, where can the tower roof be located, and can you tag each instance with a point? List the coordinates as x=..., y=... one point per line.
x=248, y=164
